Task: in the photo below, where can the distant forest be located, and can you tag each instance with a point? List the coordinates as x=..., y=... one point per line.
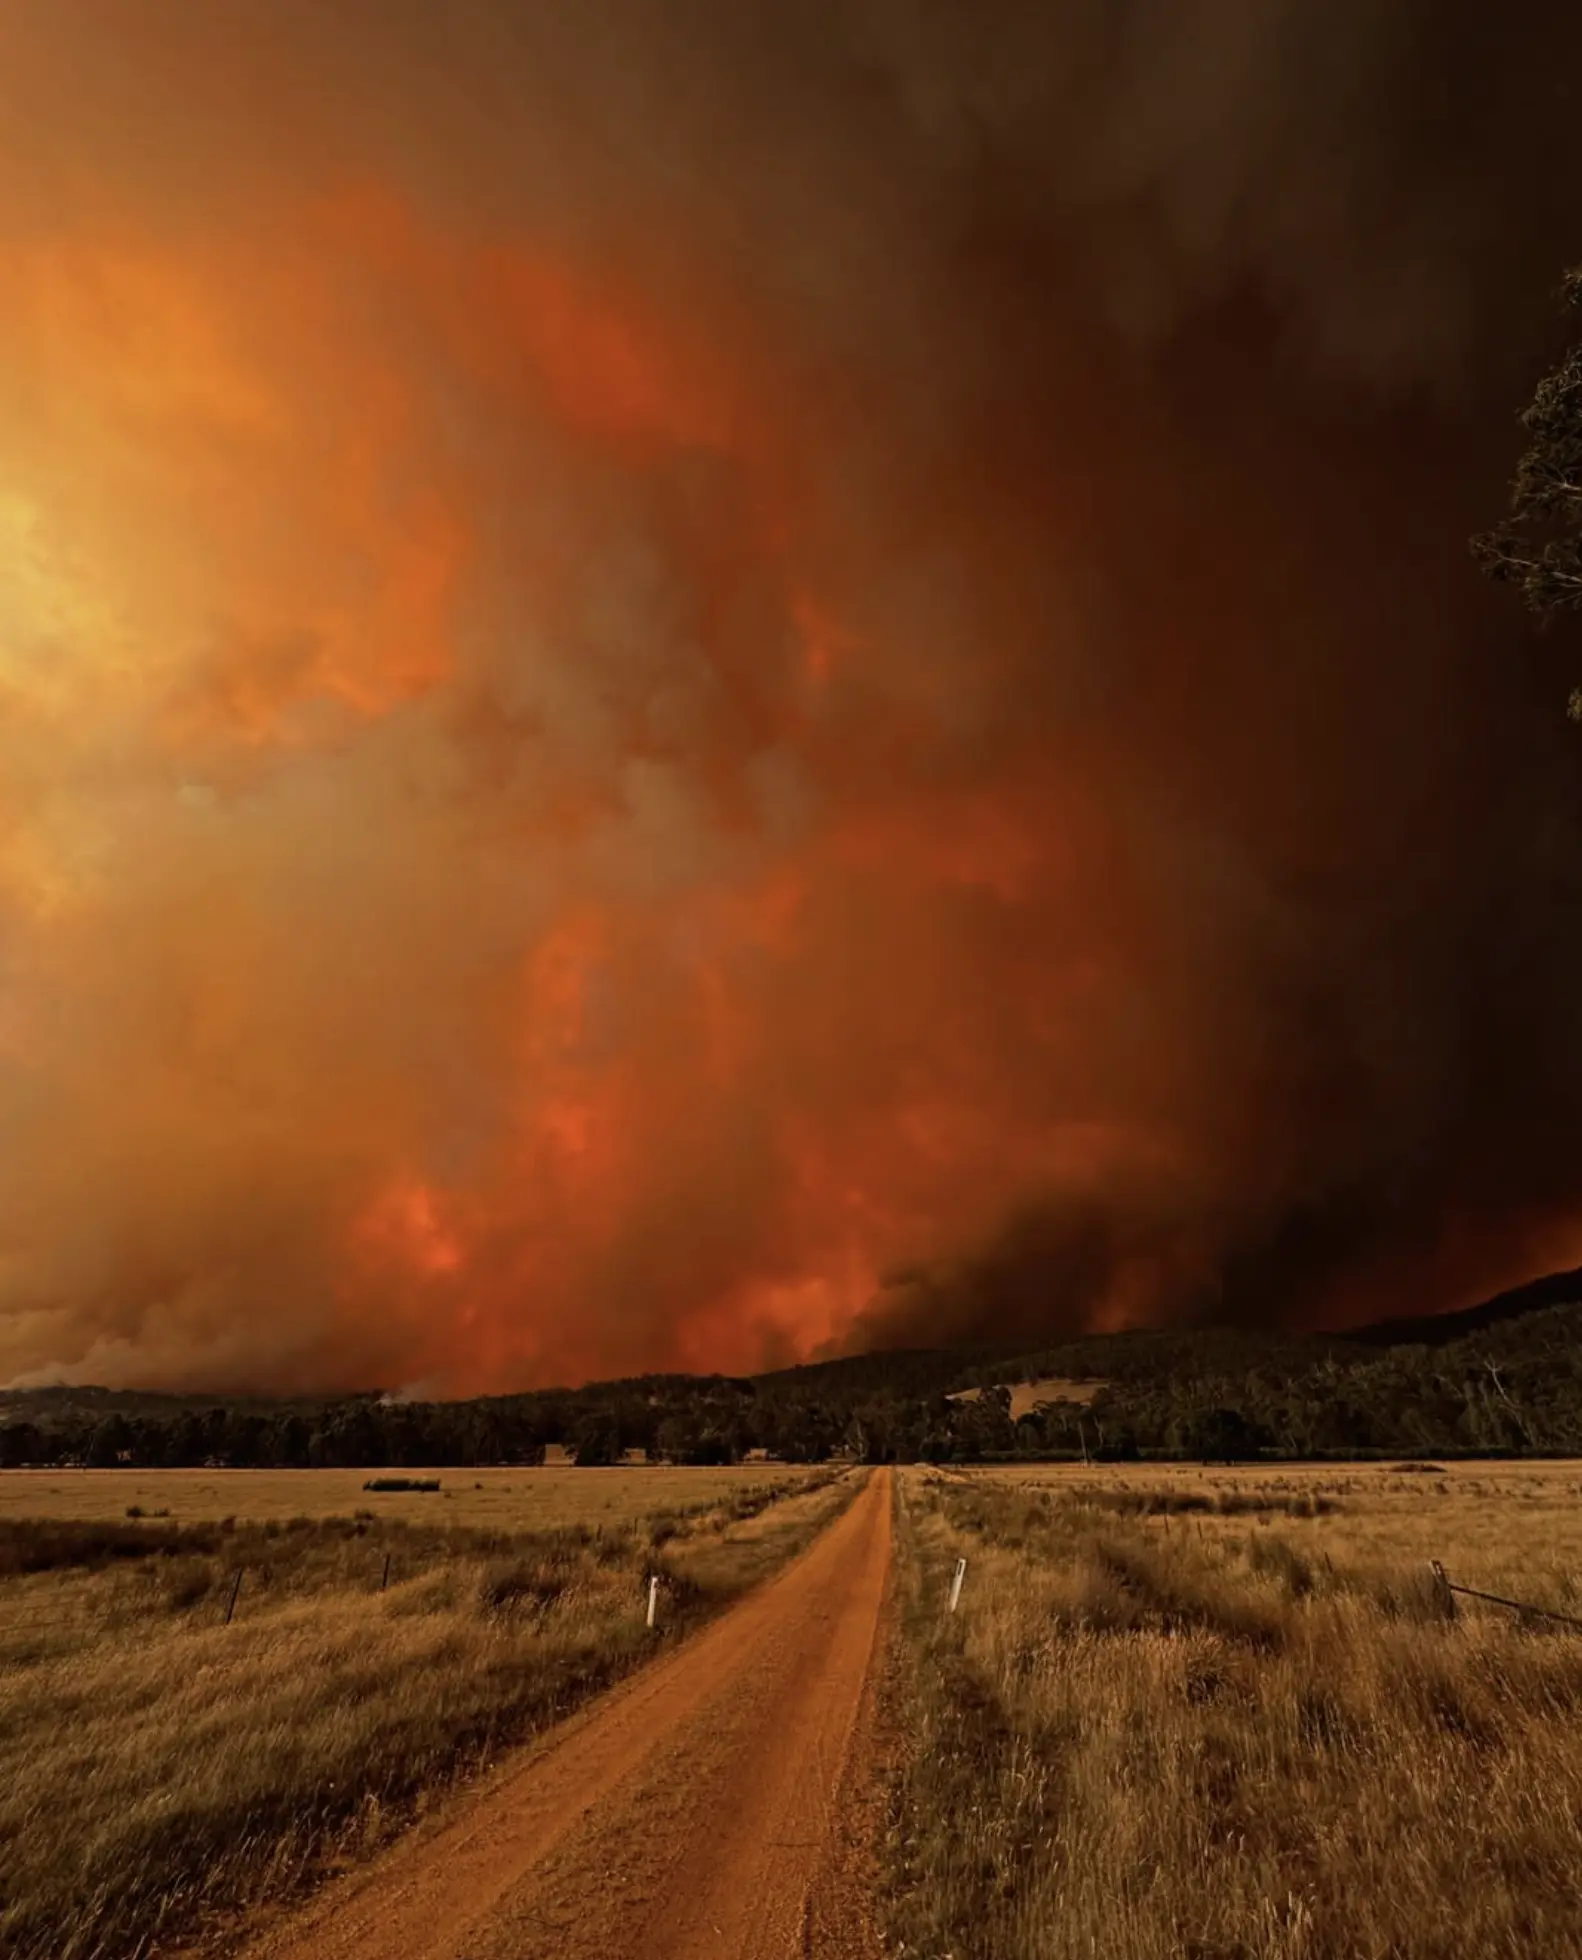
x=1502, y=1380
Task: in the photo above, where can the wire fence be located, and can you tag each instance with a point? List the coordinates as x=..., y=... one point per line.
x=230, y=1589
x=1449, y=1587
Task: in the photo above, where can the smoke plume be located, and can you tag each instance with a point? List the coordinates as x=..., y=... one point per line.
x=682, y=680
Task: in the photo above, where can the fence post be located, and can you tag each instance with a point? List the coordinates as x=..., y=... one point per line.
x=1444, y=1598
x=385, y=1580
x=653, y=1597
x=235, y=1589
x=955, y=1584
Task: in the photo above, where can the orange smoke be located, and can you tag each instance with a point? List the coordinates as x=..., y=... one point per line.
x=312, y=565
x=666, y=701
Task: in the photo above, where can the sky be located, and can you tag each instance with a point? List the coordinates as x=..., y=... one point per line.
x=687, y=684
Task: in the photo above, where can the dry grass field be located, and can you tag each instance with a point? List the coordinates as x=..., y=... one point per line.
x=160, y=1769
x=1190, y=1714
x=537, y=1498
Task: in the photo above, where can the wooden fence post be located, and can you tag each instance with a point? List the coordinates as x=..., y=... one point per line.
x=235, y=1589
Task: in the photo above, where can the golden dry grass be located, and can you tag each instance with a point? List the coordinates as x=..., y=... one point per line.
x=160, y=1770
x=537, y=1498
x=1246, y=1732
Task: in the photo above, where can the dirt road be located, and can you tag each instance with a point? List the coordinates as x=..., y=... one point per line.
x=700, y=1811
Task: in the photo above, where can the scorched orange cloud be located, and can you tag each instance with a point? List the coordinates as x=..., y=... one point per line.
x=682, y=685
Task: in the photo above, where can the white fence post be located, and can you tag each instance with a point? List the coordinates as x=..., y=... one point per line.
x=653, y=1597
x=955, y=1584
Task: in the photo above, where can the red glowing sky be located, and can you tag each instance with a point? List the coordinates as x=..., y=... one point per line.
x=636, y=692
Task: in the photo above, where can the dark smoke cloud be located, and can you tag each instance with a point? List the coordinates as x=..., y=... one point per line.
x=665, y=659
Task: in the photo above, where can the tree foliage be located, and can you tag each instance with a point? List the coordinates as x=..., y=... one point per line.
x=1538, y=548
x=1460, y=1384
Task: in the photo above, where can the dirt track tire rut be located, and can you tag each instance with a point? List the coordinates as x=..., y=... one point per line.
x=700, y=1811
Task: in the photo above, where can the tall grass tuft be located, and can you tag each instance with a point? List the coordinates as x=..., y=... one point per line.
x=1138, y=1741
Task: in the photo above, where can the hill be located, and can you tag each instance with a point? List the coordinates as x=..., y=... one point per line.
x=1553, y=1290
x=1502, y=1377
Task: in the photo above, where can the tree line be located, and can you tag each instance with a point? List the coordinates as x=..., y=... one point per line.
x=1514, y=1386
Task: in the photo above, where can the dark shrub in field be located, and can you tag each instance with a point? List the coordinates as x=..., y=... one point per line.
x=535, y=1583
x=50, y=1545
x=1227, y=1504
x=187, y=1581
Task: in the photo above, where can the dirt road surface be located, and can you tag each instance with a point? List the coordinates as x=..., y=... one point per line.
x=703, y=1810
